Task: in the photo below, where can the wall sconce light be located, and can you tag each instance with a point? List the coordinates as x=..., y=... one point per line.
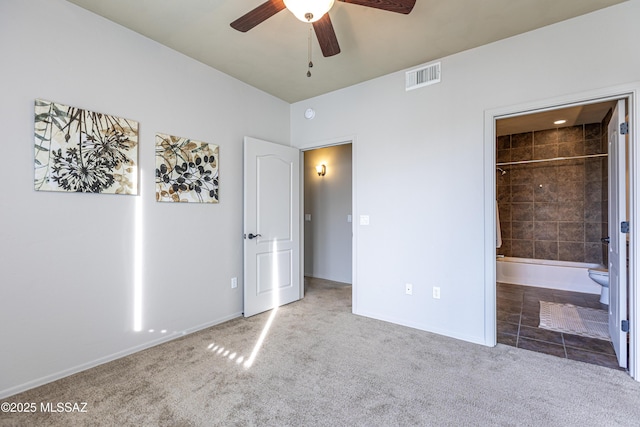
x=321, y=169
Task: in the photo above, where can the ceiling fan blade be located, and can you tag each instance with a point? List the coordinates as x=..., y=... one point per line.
x=399, y=6
x=326, y=36
x=258, y=15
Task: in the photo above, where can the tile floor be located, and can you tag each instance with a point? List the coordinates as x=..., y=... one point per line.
x=518, y=316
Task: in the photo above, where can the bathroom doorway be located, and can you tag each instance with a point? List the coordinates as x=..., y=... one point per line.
x=553, y=205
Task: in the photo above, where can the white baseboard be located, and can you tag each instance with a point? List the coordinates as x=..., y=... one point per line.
x=106, y=359
x=403, y=322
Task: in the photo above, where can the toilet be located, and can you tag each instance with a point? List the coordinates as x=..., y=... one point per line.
x=601, y=277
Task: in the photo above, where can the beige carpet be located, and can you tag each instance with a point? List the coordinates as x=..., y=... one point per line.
x=575, y=320
x=320, y=365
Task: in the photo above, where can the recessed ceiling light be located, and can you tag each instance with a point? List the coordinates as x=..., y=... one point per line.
x=559, y=122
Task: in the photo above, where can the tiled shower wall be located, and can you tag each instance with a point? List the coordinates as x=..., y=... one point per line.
x=554, y=210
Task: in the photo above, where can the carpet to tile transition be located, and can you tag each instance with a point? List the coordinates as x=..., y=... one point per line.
x=575, y=320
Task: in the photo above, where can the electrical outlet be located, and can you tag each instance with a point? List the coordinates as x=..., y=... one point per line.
x=408, y=289
x=234, y=282
x=436, y=292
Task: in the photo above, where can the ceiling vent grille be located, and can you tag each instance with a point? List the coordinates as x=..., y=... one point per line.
x=423, y=76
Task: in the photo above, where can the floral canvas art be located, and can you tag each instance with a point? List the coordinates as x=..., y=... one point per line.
x=78, y=150
x=186, y=170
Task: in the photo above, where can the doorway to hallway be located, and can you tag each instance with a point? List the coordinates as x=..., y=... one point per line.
x=327, y=213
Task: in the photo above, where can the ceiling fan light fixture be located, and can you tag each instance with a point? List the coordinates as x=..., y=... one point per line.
x=309, y=10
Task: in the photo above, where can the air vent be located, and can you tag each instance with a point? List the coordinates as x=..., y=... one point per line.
x=423, y=76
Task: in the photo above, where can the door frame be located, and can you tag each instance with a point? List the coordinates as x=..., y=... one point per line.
x=354, y=229
x=631, y=92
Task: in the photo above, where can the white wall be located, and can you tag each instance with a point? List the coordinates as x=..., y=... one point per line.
x=420, y=161
x=67, y=260
x=327, y=237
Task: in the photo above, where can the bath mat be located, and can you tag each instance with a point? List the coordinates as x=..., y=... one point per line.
x=571, y=319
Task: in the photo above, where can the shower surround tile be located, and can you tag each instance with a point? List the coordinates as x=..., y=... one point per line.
x=505, y=211
x=544, y=173
x=520, y=174
x=545, y=151
x=570, y=191
x=521, y=153
x=543, y=211
x=546, y=231
x=522, y=193
x=503, y=156
x=545, y=250
x=573, y=148
x=569, y=251
x=547, y=192
x=521, y=140
x=593, y=232
x=571, y=134
x=523, y=248
x=572, y=172
x=594, y=252
x=592, y=147
x=593, y=192
x=573, y=211
x=503, y=195
x=592, y=131
x=505, y=248
x=571, y=232
x=554, y=210
x=593, y=169
x=504, y=142
x=547, y=136
x=592, y=214
x=507, y=234
x=522, y=211
x=522, y=230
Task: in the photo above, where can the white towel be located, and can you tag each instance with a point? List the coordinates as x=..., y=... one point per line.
x=498, y=232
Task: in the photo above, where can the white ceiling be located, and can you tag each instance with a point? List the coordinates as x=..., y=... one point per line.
x=576, y=115
x=273, y=56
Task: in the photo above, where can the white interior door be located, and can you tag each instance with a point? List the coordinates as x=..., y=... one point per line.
x=271, y=225
x=618, y=239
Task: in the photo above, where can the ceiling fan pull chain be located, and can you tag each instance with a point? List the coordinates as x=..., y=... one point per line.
x=309, y=50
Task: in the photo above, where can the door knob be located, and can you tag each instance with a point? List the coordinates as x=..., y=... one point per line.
x=605, y=240
x=253, y=236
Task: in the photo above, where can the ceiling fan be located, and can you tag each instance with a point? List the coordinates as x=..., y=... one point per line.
x=316, y=13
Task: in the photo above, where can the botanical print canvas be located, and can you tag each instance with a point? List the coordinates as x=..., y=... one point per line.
x=83, y=151
x=186, y=170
